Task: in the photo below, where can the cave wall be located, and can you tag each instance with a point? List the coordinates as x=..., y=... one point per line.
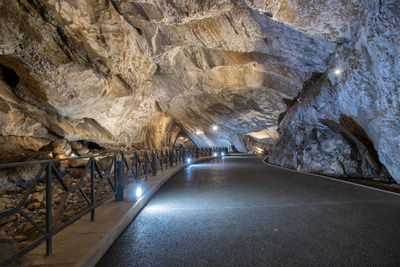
x=136, y=74
x=347, y=124
x=106, y=71
x=80, y=73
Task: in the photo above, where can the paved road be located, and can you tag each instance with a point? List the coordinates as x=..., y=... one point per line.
x=240, y=212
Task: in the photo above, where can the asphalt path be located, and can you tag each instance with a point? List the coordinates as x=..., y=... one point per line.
x=238, y=211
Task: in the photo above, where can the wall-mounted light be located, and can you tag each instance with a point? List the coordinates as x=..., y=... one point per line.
x=258, y=149
x=199, y=132
x=215, y=154
x=188, y=160
x=222, y=153
x=337, y=71
x=214, y=127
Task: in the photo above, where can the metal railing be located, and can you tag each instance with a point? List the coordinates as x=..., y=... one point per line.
x=101, y=178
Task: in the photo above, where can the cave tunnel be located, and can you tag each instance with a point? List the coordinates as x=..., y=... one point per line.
x=199, y=133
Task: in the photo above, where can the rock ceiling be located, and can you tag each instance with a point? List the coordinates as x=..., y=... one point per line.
x=136, y=74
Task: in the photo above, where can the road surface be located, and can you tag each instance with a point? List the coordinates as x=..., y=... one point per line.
x=238, y=211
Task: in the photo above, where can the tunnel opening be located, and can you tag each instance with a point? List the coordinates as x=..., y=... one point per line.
x=9, y=76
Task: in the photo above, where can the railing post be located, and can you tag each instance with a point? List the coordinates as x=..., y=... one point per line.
x=92, y=190
x=136, y=166
x=171, y=158
x=157, y=158
x=120, y=181
x=162, y=160
x=165, y=159
x=49, y=240
x=146, y=164
x=115, y=159
x=154, y=160
x=176, y=157
x=197, y=153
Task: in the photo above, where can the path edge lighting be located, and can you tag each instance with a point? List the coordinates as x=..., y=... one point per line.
x=138, y=191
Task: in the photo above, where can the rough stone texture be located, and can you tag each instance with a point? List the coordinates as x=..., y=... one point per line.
x=115, y=71
x=331, y=150
x=69, y=83
x=367, y=92
x=138, y=74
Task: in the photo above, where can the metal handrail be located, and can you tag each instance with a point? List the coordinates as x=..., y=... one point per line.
x=142, y=165
x=35, y=162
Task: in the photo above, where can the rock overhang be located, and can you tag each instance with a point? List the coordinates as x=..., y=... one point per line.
x=134, y=74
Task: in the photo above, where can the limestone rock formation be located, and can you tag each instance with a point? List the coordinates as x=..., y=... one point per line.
x=138, y=74
x=361, y=84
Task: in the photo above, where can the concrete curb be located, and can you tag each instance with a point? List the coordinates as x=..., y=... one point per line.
x=330, y=178
x=96, y=253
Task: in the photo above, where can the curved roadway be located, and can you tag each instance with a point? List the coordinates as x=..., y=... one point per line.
x=238, y=211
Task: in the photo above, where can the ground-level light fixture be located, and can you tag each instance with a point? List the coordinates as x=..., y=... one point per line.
x=188, y=160
x=139, y=191
x=214, y=127
x=222, y=153
x=215, y=154
x=198, y=132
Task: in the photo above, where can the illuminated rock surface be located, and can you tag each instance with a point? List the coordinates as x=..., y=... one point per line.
x=135, y=74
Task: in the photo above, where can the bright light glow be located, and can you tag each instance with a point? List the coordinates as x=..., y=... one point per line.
x=222, y=153
x=198, y=132
x=215, y=154
x=215, y=128
x=188, y=160
x=268, y=134
x=337, y=71
x=206, y=140
x=259, y=150
x=155, y=208
x=139, y=191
